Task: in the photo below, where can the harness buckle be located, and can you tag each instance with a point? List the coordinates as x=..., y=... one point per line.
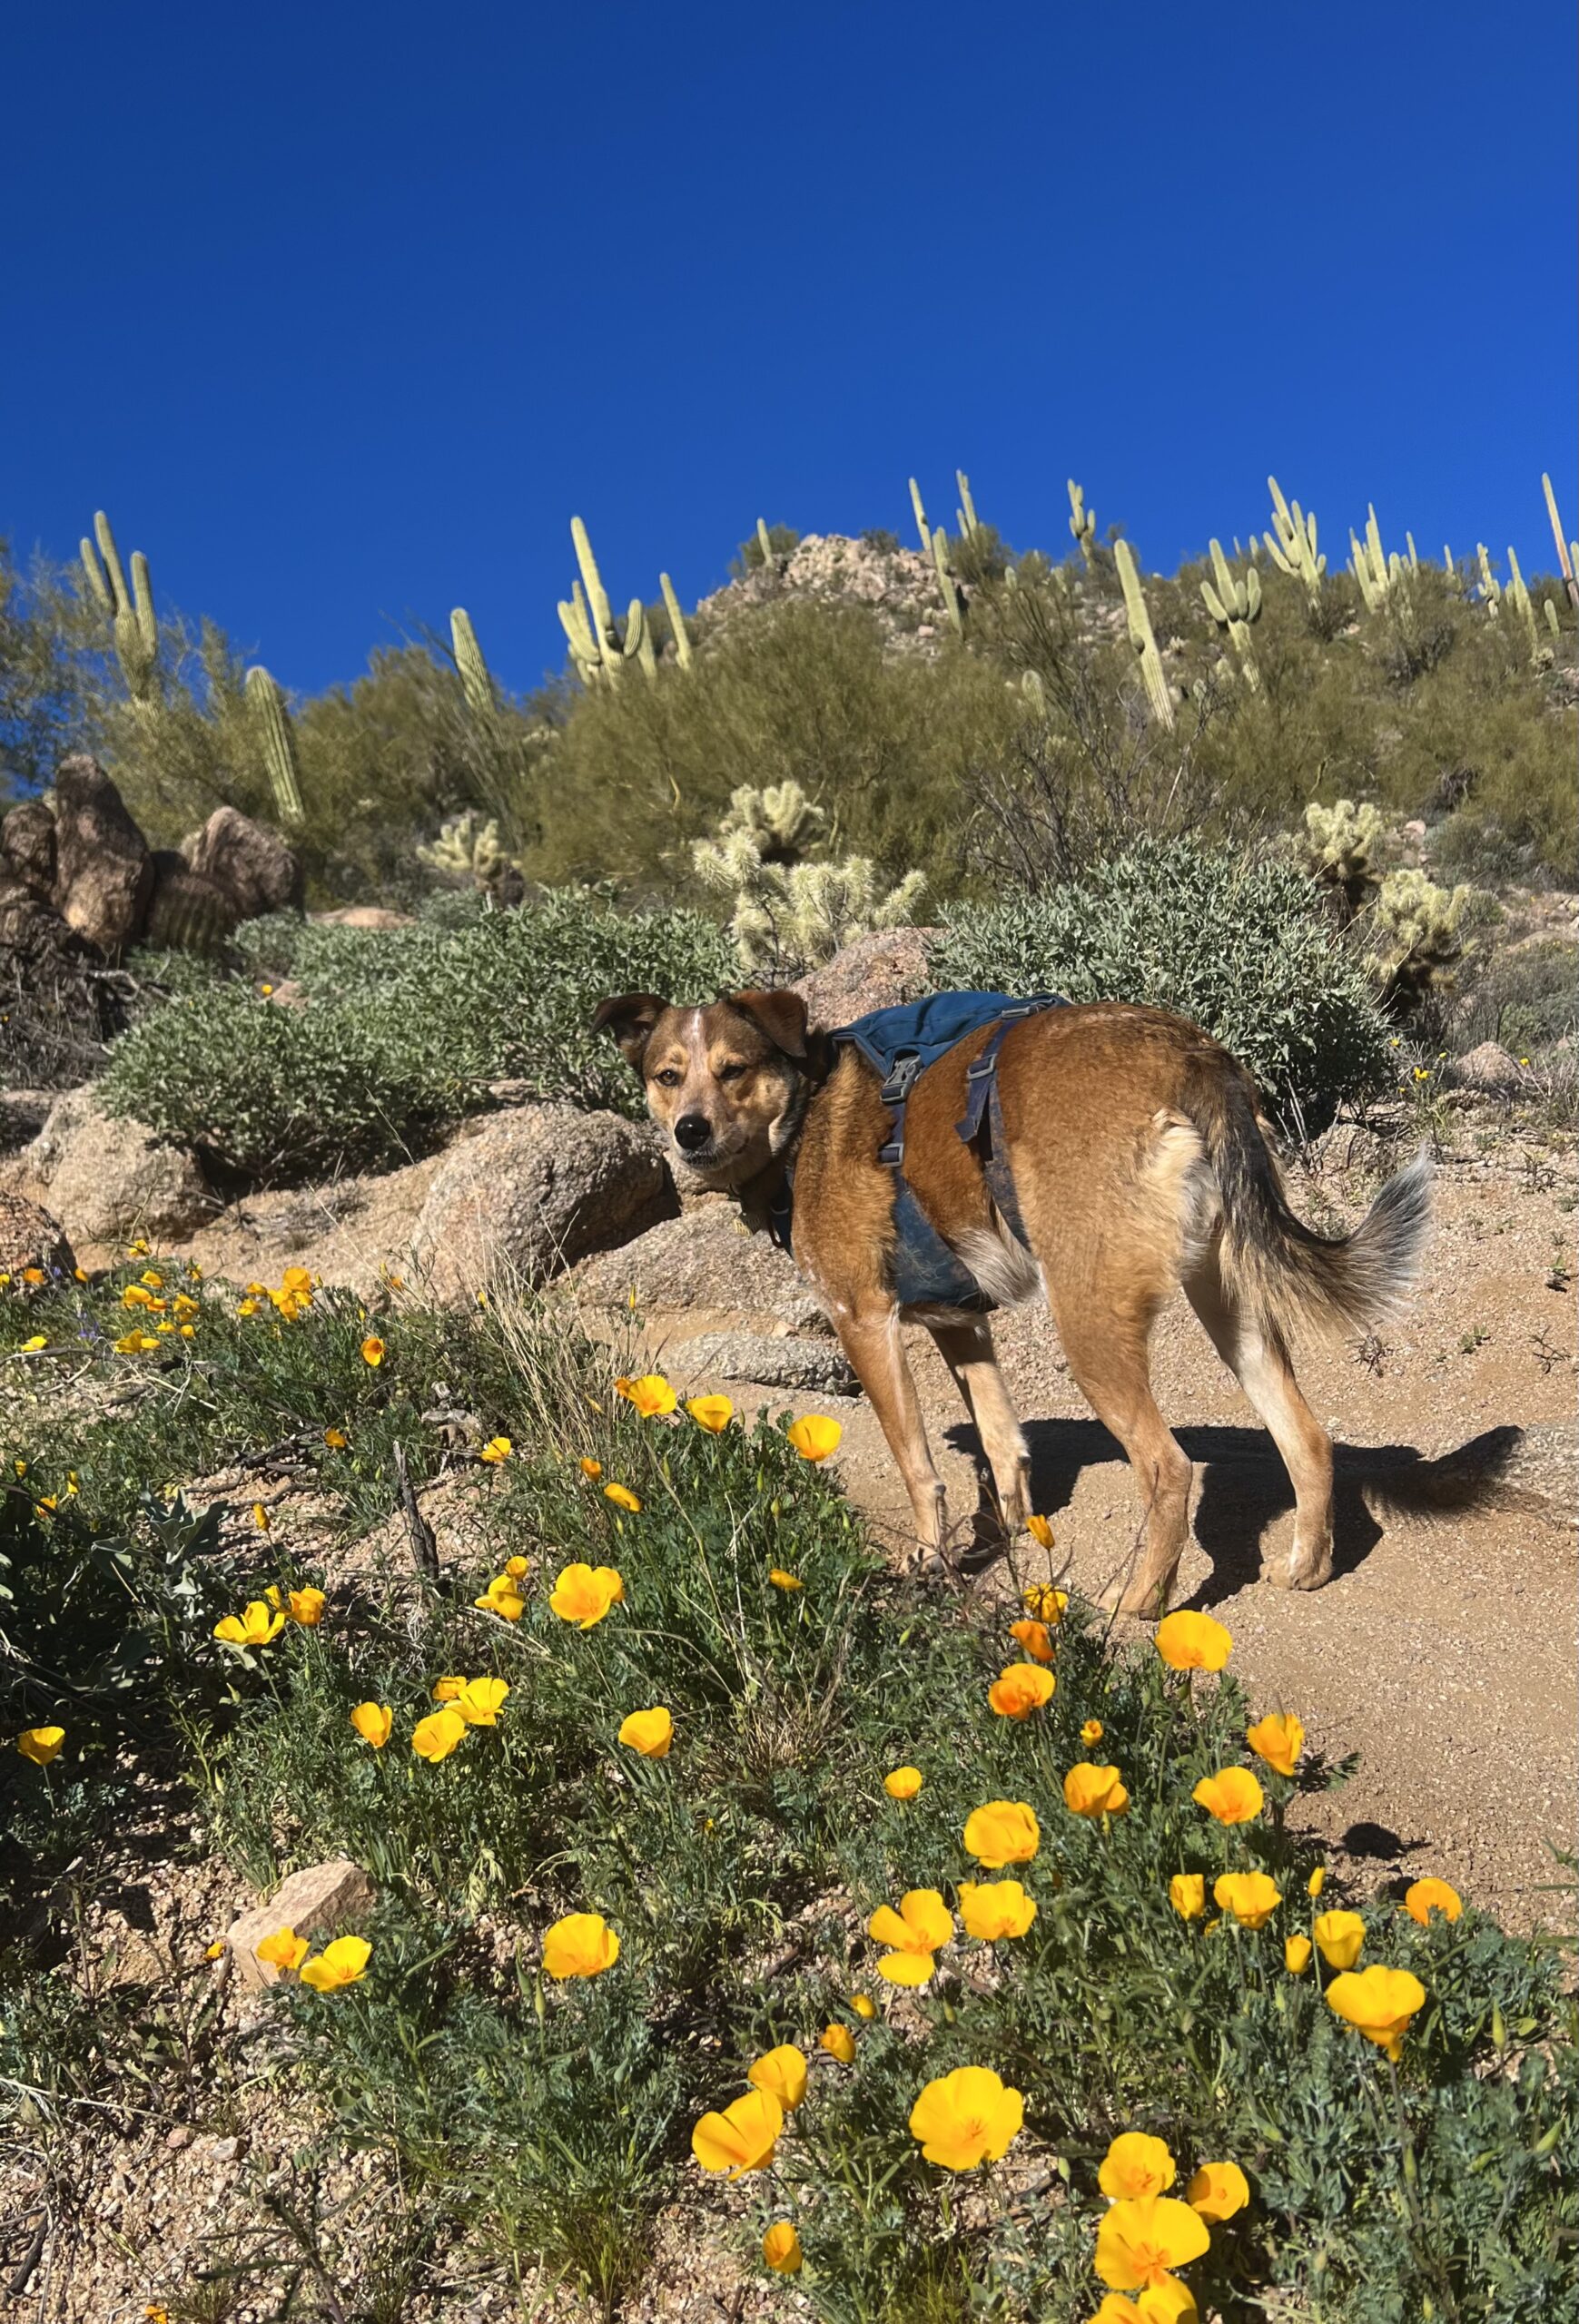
x=901, y=1077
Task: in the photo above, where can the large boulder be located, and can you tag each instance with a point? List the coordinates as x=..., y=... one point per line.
x=103, y=872
x=706, y=1260
x=1489, y=1068
x=250, y=864
x=27, y=847
x=534, y=1190
x=875, y=971
x=29, y=1239
x=109, y=1180
x=378, y=917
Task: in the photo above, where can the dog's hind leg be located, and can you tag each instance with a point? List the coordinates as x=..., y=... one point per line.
x=871, y=1338
x=966, y=1347
x=1105, y=1338
x=1256, y=1355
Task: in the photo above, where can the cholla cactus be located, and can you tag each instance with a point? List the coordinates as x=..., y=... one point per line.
x=788, y=913
x=1340, y=842
x=1083, y=523
x=267, y=707
x=467, y=848
x=1142, y=637
x=1417, y=948
x=136, y=625
x=1234, y=605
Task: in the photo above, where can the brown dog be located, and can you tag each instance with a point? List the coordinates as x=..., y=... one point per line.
x=1140, y=1163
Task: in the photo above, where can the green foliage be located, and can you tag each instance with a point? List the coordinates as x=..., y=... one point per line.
x=1240, y=945
x=402, y=1031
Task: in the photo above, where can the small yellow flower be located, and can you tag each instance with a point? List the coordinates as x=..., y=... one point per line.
x=966, y=2117
x=306, y=1606
x=1021, y=1688
x=1296, y=1954
x=481, y=1700
x=517, y=1568
x=651, y=1394
x=1378, y=2003
x=1039, y=1531
x=372, y=1350
x=839, y=2042
x=714, y=1414
x=1188, y=1641
x=582, y=1944
x=1136, y=2165
x=1045, y=1602
x=216, y=1951
x=1140, y=2241
x=583, y=1594
x=1278, y=1738
x=259, y=1625
x=336, y=1439
x=373, y=1722
x=1316, y=1882
x=863, y=2005
x=135, y=1295
x=1092, y=1732
x=591, y=1470
x=1250, y=1897
x=902, y=1783
x=1340, y=1936
x=1095, y=1791
x=783, y=1580
x=434, y=1737
x=781, y=2249
x=1187, y=1894
x=994, y=1909
x=814, y=1437
x=33, y=1278
x=339, y=1964
x=445, y=1691
x=783, y=2074
x=497, y=1449
x=285, y=1950
x=1233, y=1795
x=1426, y=1897
x=742, y=2138
x=1005, y=1831
x=502, y=1598
x=1035, y=1638
x=1217, y=2191
x=40, y=1744
x=650, y=1732
x=621, y=1498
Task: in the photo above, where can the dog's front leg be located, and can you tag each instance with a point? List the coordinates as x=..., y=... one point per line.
x=870, y=1339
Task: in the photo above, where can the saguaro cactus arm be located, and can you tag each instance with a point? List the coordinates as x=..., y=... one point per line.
x=278, y=737
x=476, y=678
x=136, y=625
x=1564, y=560
x=922, y=528
x=1291, y=543
x=1083, y=521
x=682, y=636
x=1141, y=637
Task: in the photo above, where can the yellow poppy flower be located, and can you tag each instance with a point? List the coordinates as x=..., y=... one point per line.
x=258, y=1626
x=1021, y=1688
x=1341, y=1938
x=502, y=1598
x=1005, y=1831
x=902, y=1783
x=1426, y=1896
x=1250, y=1897
x=284, y=1950
x=40, y=1340
x=306, y=1606
x=1166, y=2302
x=1233, y=1795
x=921, y=1924
x=481, y=1700
x=914, y=1969
x=994, y=1909
x=1095, y=1791
x=781, y=2249
x=372, y=1350
x=814, y=1437
x=839, y=2042
x=1316, y=1882
x=1296, y=1954
x=742, y=2138
x=40, y=1744
x=863, y=2006
x=1140, y=2241
x=434, y=1737
x=137, y=1344
x=583, y=1593
x=1039, y=1531
x=135, y=1295
x=444, y=1691
x=339, y=1964
x=966, y=2117
x=1193, y=1642
x=1136, y=2165
x=1042, y=1601
x=373, y=1722
x=1092, y=1731
x=1278, y=1738
x=336, y=1439
x=651, y=1394
x=650, y=1732
x=1187, y=1894
x=1217, y=2191
x=591, y=1470
x=497, y=1449
x=1378, y=2003
x=1035, y=1638
x=781, y=2073
x=783, y=1580
x=582, y=1944
x=517, y=1568
x=623, y=1497
x=713, y=1413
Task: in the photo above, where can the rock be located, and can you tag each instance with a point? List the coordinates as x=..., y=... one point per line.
x=322, y=1900
x=705, y=1259
x=187, y=912
x=875, y=971
x=30, y=1237
x=252, y=865
x=1355, y=1147
x=809, y=1366
x=375, y=916
x=103, y=872
x=288, y=994
x=532, y=1192
x=1487, y=1067
x=27, y=847
x=108, y=1180
x=29, y=925
x=22, y=1113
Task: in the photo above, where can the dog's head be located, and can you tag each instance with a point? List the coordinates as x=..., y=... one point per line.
x=727, y=1082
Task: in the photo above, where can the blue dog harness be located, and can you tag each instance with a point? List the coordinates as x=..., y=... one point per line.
x=899, y=1044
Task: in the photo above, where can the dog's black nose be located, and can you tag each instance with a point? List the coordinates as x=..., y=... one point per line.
x=692, y=1132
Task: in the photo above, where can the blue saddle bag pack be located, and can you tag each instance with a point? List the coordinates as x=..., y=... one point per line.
x=899, y=1044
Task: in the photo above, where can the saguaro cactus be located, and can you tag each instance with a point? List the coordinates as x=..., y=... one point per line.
x=682, y=636
x=922, y=528
x=136, y=625
x=966, y=511
x=954, y=604
x=1234, y=605
x=1490, y=586
x=1518, y=597
x=278, y=737
x=1565, y=559
x=476, y=678
x=1141, y=637
x=1376, y=572
x=1083, y=521
x=597, y=644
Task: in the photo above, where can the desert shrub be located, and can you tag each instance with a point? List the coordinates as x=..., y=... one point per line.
x=1238, y=944
x=1526, y=998
x=402, y=1032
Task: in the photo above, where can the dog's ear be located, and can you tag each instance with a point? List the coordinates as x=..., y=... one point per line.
x=781, y=1015
x=630, y=1017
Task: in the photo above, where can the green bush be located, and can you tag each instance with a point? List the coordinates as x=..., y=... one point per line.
x=1240, y=945
x=402, y=1032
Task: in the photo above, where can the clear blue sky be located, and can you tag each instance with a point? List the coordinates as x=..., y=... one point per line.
x=341, y=311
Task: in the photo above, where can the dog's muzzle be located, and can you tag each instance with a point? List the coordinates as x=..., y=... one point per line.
x=692, y=1133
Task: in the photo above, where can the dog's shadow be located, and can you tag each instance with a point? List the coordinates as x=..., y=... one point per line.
x=1242, y=1487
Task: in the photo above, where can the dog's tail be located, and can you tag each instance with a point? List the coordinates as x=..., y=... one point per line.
x=1273, y=1262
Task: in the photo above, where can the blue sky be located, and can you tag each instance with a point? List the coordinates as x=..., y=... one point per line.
x=341, y=312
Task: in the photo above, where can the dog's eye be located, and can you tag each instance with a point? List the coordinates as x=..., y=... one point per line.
x=730, y=1072
x=668, y=1078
